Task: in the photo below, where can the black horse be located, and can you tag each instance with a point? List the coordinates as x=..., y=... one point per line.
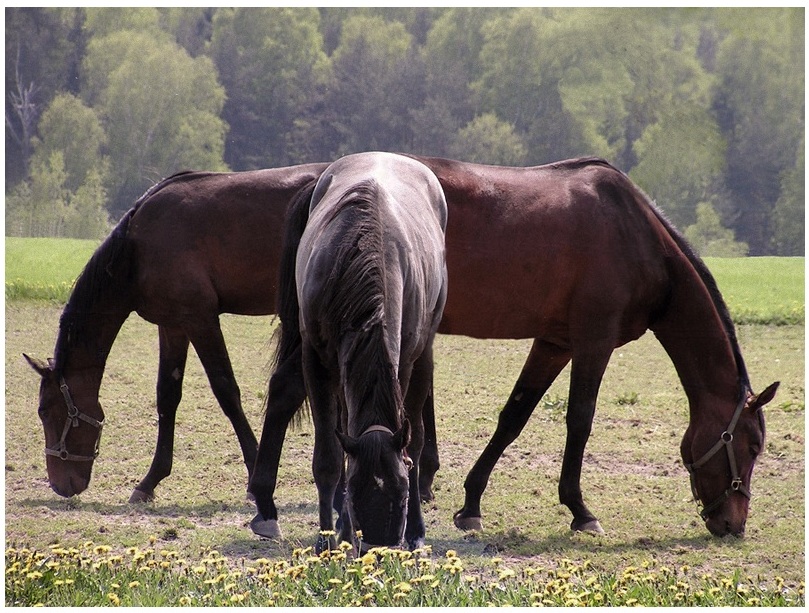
x=368, y=293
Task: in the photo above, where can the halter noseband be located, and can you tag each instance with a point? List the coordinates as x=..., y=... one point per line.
x=73, y=416
x=736, y=485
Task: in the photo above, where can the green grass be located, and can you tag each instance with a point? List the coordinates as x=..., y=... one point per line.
x=155, y=576
x=44, y=268
x=763, y=290
x=633, y=480
x=766, y=290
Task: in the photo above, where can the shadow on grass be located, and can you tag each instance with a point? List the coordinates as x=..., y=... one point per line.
x=204, y=510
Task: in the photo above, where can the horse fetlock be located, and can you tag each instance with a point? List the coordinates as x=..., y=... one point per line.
x=266, y=528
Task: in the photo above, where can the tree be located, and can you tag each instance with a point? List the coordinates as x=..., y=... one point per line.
x=377, y=80
x=70, y=127
x=43, y=50
x=38, y=207
x=789, y=215
x=710, y=238
x=759, y=103
x=680, y=162
x=488, y=140
x=271, y=61
x=160, y=108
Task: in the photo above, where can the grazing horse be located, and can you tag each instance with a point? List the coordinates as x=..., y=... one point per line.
x=369, y=289
x=195, y=245
x=576, y=257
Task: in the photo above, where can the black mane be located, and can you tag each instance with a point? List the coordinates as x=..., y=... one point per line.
x=353, y=299
x=106, y=274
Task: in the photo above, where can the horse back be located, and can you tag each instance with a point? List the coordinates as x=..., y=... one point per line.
x=212, y=241
x=580, y=244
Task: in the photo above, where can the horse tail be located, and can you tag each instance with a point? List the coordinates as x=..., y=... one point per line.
x=288, y=334
x=287, y=306
x=108, y=274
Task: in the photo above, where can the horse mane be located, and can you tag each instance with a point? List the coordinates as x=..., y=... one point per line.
x=107, y=272
x=707, y=278
x=353, y=303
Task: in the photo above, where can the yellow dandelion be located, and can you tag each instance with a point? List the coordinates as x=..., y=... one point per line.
x=114, y=599
x=184, y=601
x=237, y=598
x=134, y=584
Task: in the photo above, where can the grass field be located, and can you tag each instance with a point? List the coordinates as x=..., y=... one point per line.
x=633, y=480
x=758, y=290
x=193, y=544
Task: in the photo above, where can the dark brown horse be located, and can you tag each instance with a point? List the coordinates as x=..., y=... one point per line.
x=194, y=246
x=369, y=288
x=576, y=257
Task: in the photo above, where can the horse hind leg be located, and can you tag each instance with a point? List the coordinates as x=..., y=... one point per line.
x=286, y=394
x=585, y=380
x=543, y=365
x=173, y=354
x=212, y=351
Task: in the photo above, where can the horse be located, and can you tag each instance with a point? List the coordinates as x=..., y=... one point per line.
x=576, y=257
x=186, y=251
x=370, y=283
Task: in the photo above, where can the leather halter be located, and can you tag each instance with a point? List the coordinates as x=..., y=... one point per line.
x=736, y=485
x=72, y=421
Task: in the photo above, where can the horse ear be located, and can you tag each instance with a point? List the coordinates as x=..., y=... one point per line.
x=758, y=401
x=38, y=365
x=349, y=444
x=401, y=438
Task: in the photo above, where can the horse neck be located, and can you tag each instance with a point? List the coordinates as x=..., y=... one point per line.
x=699, y=345
x=85, y=347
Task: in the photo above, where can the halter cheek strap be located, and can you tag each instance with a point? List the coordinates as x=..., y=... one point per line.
x=72, y=421
x=726, y=441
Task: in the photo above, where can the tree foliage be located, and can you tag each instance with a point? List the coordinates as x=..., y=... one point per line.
x=700, y=106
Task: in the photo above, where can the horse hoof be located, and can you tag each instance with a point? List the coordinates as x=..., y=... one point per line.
x=592, y=526
x=250, y=497
x=267, y=528
x=416, y=543
x=468, y=523
x=139, y=496
x=427, y=495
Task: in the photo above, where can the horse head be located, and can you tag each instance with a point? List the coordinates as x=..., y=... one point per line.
x=377, y=484
x=71, y=435
x=720, y=460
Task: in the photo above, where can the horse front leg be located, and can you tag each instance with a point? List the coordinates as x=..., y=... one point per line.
x=286, y=395
x=543, y=365
x=585, y=380
x=418, y=388
x=170, y=372
x=207, y=338
x=428, y=463
x=327, y=458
